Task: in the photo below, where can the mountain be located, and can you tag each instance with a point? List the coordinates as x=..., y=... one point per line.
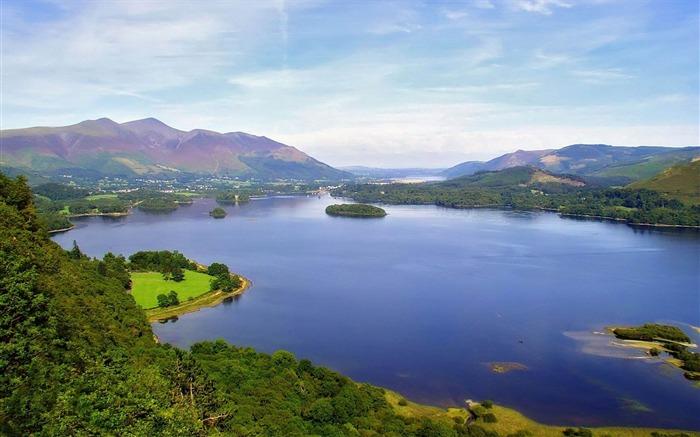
x=150, y=147
x=600, y=162
x=681, y=182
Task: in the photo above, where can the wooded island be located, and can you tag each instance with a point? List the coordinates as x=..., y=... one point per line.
x=355, y=210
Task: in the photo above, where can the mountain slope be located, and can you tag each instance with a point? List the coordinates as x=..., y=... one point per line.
x=150, y=147
x=523, y=176
x=681, y=182
x=611, y=164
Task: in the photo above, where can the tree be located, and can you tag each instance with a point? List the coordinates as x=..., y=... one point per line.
x=75, y=252
x=218, y=269
x=172, y=297
x=177, y=274
x=163, y=301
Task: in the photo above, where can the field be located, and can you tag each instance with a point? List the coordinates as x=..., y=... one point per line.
x=147, y=286
x=509, y=422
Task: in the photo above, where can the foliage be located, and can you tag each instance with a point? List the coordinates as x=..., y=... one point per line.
x=223, y=279
x=158, y=204
x=218, y=213
x=168, y=300
x=630, y=205
x=668, y=336
x=355, y=210
x=650, y=331
x=582, y=432
x=57, y=191
x=162, y=261
x=232, y=197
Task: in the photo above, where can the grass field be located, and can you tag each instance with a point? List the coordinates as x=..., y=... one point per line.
x=101, y=196
x=511, y=421
x=147, y=286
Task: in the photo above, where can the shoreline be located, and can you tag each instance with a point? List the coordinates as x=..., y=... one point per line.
x=206, y=300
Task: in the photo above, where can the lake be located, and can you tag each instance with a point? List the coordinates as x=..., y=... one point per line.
x=426, y=299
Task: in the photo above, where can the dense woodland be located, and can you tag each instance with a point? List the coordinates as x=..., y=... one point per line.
x=635, y=206
x=77, y=357
x=355, y=210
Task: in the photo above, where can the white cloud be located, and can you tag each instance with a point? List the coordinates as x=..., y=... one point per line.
x=544, y=7
x=399, y=82
x=602, y=77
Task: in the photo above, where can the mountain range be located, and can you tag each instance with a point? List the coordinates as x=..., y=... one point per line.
x=597, y=162
x=149, y=147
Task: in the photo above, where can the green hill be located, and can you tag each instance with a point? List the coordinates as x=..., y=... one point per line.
x=680, y=182
x=522, y=176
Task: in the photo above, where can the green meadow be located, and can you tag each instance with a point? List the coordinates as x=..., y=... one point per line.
x=147, y=286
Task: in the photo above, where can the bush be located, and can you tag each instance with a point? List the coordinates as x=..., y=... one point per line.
x=579, y=432
x=487, y=404
x=489, y=418
x=403, y=402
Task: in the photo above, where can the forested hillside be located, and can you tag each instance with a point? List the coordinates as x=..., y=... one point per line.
x=77, y=357
x=524, y=188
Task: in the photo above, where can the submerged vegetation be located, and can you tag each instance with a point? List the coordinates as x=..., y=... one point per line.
x=670, y=339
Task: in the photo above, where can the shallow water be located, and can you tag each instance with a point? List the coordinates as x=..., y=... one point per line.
x=420, y=301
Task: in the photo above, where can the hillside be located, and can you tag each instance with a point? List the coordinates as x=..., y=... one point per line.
x=527, y=188
x=524, y=176
x=610, y=165
x=680, y=182
x=77, y=357
x=149, y=147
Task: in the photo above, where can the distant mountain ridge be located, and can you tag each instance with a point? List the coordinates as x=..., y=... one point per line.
x=596, y=161
x=150, y=147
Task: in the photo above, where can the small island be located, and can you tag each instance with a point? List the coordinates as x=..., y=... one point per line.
x=355, y=210
x=218, y=213
x=657, y=339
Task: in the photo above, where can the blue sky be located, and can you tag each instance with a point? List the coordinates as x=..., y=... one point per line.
x=376, y=83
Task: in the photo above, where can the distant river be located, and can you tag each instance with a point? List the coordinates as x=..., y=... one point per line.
x=423, y=300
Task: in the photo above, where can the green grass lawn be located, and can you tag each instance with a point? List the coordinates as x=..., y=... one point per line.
x=101, y=196
x=147, y=286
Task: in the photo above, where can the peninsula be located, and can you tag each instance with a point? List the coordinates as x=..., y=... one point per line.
x=166, y=284
x=657, y=339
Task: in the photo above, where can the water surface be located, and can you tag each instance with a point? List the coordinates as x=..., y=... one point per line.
x=422, y=300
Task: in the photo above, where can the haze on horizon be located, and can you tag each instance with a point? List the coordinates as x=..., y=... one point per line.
x=384, y=84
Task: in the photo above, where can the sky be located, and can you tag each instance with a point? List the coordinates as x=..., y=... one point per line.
x=363, y=82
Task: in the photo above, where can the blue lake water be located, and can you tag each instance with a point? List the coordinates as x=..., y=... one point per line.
x=422, y=300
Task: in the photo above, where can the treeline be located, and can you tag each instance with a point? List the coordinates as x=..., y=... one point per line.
x=223, y=279
x=155, y=201
x=652, y=331
x=170, y=264
x=232, y=197
x=635, y=206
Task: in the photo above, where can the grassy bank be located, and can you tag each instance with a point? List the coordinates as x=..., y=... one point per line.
x=511, y=422
x=148, y=285
x=208, y=299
